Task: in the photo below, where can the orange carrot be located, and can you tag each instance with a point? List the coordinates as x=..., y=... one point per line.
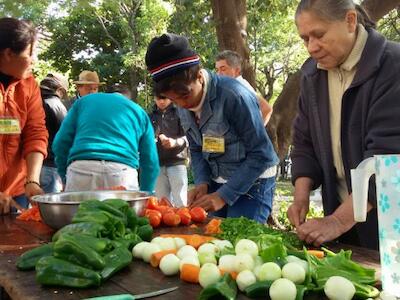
x=233, y=274
x=156, y=257
x=190, y=273
x=213, y=226
x=316, y=253
x=194, y=240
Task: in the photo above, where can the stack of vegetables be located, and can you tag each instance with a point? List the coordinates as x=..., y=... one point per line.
x=160, y=212
x=268, y=263
x=90, y=250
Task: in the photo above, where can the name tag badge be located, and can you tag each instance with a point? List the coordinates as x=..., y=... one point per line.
x=9, y=126
x=213, y=144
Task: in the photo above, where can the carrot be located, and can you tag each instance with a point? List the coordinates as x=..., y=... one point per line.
x=233, y=274
x=156, y=257
x=31, y=214
x=190, y=273
x=316, y=253
x=194, y=240
x=213, y=226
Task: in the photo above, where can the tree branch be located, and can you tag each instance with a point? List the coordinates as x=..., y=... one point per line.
x=104, y=27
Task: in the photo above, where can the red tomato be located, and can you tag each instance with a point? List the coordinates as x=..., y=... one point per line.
x=154, y=219
x=164, y=201
x=148, y=212
x=183, y=210
x=164, y=209
x=171, y=219
x=186, y=218
x=198, y=214
x=152, y=203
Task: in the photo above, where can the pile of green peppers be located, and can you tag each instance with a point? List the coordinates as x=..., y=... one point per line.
x=95, y=246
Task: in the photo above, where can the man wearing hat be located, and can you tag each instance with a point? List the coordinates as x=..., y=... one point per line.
x=87, y=83
x=53, y=88
x=233, y=158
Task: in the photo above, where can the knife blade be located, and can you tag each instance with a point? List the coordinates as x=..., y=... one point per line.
x=134, y=297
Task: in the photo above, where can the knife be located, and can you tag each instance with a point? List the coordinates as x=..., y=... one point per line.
x=135, y=297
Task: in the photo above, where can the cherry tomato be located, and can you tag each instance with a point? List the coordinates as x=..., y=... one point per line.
x=183, y=210
x=198, y=214
x=154, y=219
x=152, y=203
x=171, y=219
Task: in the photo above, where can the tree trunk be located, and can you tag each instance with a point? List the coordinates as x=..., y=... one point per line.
x=231, y=22
x=285, y=107
x=377, y=9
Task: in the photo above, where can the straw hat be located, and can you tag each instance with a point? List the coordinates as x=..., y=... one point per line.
x=88, y=77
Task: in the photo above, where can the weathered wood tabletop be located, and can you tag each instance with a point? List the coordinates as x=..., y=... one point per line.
x=17, y=237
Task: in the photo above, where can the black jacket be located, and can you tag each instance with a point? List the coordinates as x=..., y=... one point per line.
x=169, y=124
x=55, y=114
x=370, y=125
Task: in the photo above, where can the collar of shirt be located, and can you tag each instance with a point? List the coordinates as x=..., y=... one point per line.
x=197, y=109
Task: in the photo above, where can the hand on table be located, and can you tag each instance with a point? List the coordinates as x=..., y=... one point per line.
x=210, y=202
x=319, y=230
x=6, y=202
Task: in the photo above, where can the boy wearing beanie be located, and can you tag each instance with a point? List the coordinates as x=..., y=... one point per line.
x=232, y=156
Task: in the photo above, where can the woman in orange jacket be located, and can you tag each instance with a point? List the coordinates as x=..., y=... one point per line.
x=23, y=134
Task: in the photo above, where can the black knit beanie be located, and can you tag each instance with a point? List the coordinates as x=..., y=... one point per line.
x=168, y=54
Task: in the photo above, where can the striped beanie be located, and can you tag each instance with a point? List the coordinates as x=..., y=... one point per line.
x=168, y=54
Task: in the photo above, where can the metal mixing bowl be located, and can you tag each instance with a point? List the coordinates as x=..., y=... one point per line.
x=58, y=209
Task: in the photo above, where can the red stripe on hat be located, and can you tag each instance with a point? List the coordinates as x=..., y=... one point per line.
x=173, y=63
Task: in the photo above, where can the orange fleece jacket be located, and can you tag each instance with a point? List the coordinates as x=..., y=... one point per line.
x=22, y=100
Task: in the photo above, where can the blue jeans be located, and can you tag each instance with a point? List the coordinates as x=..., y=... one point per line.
x=50, y=180
x=256, y=204
x=172, y=182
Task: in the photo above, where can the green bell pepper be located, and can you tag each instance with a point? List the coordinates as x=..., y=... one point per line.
x=258, y=289
x=92, y=205
x=145, y=232
x=87, y=228
x=73, y=250
x=28, y=260
x=142, y=221
x=119, y=204
x=115, y=261
x=100, y=245
x=114, y=225
x=132, y=218
x=54, y=271
x=127, y=243
x=224, y=288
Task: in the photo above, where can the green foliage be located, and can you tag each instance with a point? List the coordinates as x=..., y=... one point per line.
x=194, y=20
x=389, y=25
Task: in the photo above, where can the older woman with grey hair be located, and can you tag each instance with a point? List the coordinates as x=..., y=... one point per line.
x=348, y=110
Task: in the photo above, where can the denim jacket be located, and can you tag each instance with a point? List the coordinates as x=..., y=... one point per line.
x=230, y=111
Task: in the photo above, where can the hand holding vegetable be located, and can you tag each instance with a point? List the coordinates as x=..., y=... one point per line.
x=197, y=192
x=297, y=212
x=210, y=202
x=319, y=230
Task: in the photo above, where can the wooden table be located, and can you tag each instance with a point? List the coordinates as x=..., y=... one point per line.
x=17, y=237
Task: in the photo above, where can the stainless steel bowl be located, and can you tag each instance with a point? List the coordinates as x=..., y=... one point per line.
x=58, y=209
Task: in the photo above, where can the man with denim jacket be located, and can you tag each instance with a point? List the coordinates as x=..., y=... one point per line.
x=234, y=162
